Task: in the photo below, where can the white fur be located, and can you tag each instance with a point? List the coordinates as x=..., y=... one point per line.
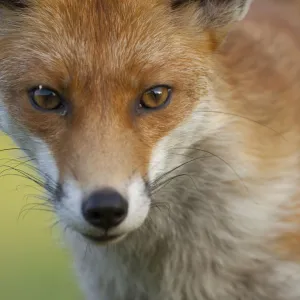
x=71, y=203
x=4, y=116
x=138, y=208
x=45, y=159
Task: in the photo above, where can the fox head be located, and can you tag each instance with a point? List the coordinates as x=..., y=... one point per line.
x=100, y=93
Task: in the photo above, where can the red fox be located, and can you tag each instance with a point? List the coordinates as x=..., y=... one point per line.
x=168, y=136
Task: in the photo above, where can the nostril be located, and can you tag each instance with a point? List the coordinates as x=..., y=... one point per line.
x=105, y=209
x=95, y=215
x=107, y=213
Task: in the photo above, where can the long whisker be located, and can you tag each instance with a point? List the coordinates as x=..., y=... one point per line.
x=28, y=163
x=16, y=166
x=176, y=168
x=167, y=181
x=245, y=118
x=34, y=207
x=12, y=149
x=34, y=179
x=221, y=159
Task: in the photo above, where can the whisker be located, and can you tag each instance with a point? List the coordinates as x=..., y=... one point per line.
x=245, y=118
x=12, y=149
x=35, y=207
x=41, y=197
x=221, y=159
x=9, y=167
x=54, y=224
x=176, y=168
x=32, y=178
x=26, y=186
x=28, y=163
x=167, y=181
x=162, y=206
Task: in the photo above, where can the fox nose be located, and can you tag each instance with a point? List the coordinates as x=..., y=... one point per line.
x=105, y=209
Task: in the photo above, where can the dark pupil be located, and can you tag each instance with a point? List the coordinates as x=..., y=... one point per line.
x=156, y=94
x=46, y=99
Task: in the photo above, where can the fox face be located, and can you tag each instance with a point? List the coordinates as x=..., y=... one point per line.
x=100, y=94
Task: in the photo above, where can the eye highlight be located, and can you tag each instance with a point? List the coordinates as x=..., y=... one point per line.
x=155, y=98
x=47, y=100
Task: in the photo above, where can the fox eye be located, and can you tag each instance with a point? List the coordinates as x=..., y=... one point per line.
x=47, y=100
x=155, y=98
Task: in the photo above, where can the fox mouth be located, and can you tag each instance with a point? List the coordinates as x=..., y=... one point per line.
x=104, y=239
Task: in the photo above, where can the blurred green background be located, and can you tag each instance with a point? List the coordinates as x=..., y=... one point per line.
x=33, y=264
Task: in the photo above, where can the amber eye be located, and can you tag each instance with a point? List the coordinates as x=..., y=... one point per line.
x=155, y=98
x=47, y=100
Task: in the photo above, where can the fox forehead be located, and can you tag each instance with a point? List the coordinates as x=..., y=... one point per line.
x=103, y=38
x=105, y=46
x=105, y=51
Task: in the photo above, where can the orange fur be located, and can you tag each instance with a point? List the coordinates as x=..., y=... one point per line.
x=260, y=60
x=263, y=57
x=92, y=90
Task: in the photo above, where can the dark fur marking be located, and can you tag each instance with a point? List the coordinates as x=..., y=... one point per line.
x=14, y=4
x=177, y=3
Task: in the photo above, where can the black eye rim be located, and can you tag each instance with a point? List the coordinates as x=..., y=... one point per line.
x=61, y=110
x=144, y=109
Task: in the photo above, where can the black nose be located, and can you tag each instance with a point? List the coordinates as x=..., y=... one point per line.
x=105, y=209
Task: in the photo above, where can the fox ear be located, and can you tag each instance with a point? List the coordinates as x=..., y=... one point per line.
x=215, y=13
x=13, y=4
